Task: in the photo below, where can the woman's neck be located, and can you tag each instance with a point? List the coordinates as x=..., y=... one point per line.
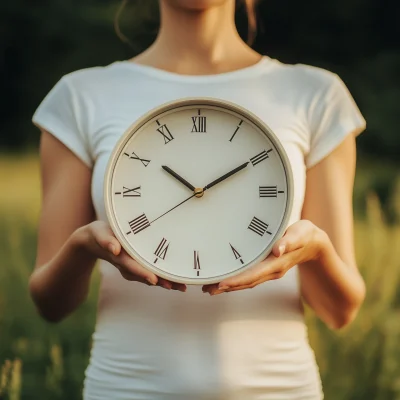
x=198, y=42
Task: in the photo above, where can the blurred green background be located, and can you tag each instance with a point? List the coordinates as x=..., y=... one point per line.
x=41, y=40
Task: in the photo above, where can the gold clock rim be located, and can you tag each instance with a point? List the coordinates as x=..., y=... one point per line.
x=199, y=101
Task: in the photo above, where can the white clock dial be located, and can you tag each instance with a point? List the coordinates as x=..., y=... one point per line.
x=171, y=204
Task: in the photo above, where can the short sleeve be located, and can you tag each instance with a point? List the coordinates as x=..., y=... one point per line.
x=334, y=116
x=62, y=114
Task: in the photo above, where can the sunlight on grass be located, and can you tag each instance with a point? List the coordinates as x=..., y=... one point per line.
x=44, y=361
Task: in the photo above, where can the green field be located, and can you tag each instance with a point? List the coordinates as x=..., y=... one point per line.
x=42, y=361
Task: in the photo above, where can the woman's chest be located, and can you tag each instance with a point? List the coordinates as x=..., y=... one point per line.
x=287, y=123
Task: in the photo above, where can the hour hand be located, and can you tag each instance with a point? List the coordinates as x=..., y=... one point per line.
x=178, y=177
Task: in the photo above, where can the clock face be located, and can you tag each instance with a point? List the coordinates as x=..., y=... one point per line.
x=198, y=190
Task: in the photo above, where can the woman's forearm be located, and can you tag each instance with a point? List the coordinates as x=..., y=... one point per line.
x=332, y=288
x=62, y=284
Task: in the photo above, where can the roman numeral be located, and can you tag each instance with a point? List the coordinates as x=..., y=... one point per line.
x=237, y=128
x=270, y=191
x=161, y=250
x=258, y=226
x=199, y=124
x=138, y=224
x=236, y=254
x=166, y=134
x=196, y=262
x=126, y=192
x=260, y=157
x=134, y=156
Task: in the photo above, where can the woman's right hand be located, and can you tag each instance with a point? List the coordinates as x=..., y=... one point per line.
x=99, y=240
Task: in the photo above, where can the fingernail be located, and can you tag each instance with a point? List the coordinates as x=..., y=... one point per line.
x=111, y=247
x=223, y=287
x=150, y=281
x=166, y=286
x=282, y=249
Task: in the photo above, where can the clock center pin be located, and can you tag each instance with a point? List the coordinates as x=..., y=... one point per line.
x=199, y=192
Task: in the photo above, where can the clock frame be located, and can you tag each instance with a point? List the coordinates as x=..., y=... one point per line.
x=196, y=103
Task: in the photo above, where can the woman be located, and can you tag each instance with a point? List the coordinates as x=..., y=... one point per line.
x=154, y=344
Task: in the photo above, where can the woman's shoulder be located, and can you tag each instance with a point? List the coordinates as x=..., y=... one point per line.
x=91, y=78
x=305, y=76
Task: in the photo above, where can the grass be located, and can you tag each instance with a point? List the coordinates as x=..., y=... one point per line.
x=45, y=361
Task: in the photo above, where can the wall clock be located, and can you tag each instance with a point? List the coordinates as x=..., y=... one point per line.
x=198, y=190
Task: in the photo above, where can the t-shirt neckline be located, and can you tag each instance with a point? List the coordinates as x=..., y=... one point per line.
x=249, y=71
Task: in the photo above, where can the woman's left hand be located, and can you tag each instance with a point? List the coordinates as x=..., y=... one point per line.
x=302, y=242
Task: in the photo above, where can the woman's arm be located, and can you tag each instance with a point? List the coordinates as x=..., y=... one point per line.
x=321, y=243
x=60, y=281
x=332, y=284
x=69, y=243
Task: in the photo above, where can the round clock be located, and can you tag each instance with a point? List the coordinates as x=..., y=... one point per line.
x=198, y=190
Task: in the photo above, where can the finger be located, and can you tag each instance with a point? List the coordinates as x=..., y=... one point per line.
x=164, y=283
x=293, y=238
x=210, y=287
x=126, y=262
x=275, y=269
x=179, y=286
x=270, y=277
x=105, y=238
x=252, y=274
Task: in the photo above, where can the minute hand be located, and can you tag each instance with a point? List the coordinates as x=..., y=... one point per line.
x=227, y=175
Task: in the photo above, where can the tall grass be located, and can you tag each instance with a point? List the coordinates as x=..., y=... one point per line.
x=45, y=361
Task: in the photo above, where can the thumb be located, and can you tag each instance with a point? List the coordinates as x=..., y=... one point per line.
x=105, y=238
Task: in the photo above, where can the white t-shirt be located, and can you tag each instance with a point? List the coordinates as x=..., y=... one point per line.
x=155, y=344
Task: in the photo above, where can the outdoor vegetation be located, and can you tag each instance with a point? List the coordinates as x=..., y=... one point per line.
x=43, y=39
